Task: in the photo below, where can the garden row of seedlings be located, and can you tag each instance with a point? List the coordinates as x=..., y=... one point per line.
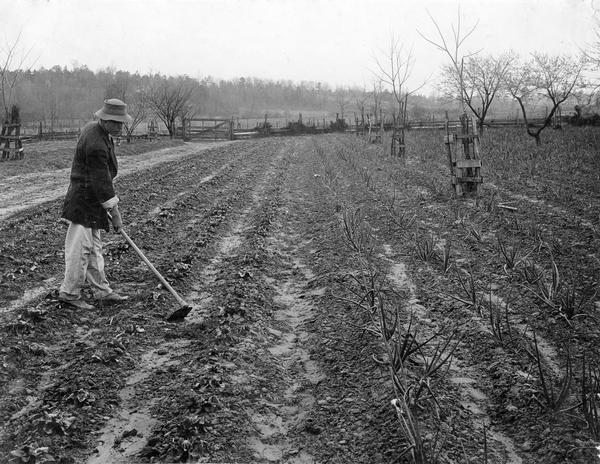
x=525, y=268
x=510, y=161
x=416, y=365
x=526, y=271
x=203, y=418
x=560, y=393
x=82, y=360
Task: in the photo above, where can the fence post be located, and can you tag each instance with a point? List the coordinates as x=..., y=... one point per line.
x=381, y=125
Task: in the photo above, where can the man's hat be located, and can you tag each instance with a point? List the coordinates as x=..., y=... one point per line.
x=114, y=110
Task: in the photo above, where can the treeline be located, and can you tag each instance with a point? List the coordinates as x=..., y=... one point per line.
x=59, y=93
x=58, y=96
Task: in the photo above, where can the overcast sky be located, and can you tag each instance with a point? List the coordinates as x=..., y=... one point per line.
x=333, y=41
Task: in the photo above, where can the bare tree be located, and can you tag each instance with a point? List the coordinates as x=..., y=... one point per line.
x=360, y=100
x=481, y=80
x=376, y=106
x=395, y=72
x=592, y=56
x=341, y=98
x=168, y=97
x=11, y=64
x=138, y=108
x=376, y=96
x=451, y=47
x=547, y=77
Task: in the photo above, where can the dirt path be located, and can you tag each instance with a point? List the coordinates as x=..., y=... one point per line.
x=278, y=420
x=20, y=192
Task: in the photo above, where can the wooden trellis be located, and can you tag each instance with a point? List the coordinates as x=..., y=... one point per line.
x=7, y=137
x=464, y=157
x=153, y=129
x=399, y=125
x=371, y=132
x=376, y=128
x=397, y=147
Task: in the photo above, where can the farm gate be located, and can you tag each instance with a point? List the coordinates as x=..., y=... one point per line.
x=207, y=129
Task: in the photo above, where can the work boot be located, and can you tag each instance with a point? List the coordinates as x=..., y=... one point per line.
x=79, y=303
x=113, y=297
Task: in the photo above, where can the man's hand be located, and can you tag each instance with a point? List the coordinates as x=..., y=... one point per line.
x=115, y=218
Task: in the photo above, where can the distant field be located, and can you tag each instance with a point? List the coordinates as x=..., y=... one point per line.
x=58, y=154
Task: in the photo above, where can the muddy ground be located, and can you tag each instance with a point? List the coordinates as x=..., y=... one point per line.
x=292, y=251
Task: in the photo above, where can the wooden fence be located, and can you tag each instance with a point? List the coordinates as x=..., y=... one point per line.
x=232, y=129
x=229, y=129
x=440, y=125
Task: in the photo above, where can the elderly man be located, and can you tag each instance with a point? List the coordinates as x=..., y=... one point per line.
x=90, y=197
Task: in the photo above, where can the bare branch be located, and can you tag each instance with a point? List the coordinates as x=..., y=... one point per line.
x=10, y=71
x=453, y=52
x=554, y=78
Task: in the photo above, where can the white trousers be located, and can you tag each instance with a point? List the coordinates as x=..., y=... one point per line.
x=83, y=261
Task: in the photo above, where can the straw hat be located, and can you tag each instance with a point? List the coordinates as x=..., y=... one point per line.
x=114, y=110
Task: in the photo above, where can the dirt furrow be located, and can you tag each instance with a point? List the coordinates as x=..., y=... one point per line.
x=124, y=435
x=19, y=193
x=275, y=420
x=461, y=372
x=278, y=420
x=127, y=433
x=32, y=294
x=131, y=417
x=315, y=341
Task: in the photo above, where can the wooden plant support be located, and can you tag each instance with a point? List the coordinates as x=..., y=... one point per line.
x=377, y=129
x=7, y=137
x=397, y=147
x=230, y=135
x=464, y=158
x=381, y=128
x=153, y=130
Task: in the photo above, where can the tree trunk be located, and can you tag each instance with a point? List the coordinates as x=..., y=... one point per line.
x=171, y=128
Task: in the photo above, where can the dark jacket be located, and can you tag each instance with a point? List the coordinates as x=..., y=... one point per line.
x=92, y=173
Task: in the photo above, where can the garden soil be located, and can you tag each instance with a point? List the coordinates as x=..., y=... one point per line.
x=282, y=360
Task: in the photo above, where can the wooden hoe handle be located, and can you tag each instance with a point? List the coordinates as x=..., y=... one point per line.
x=163, y=281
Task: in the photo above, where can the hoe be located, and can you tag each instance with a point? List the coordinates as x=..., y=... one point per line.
x=184, y=308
